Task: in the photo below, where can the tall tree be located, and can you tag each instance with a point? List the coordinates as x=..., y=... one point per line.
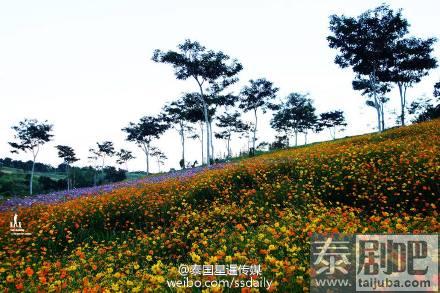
x=144, y=132
x=208, y=68
x=123, y=157
x=69, y=157
x=376, y=96
x=102, y=151
x=331, y=120
x=309, y=119
x=281, y=123
x=194, y=112
x=230, y=123
x=366, y=43
x=177, y=114
x=411, y=61
x=296, y=114
x=30, y=135
x=258, y=95
x=160, y=157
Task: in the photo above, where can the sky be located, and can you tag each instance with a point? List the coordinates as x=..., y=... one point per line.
x=85, y=66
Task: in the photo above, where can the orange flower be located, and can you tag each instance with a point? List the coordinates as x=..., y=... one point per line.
x=240, y=227
x=29, y=271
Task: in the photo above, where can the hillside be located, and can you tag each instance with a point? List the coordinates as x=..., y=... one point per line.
x=257, y=211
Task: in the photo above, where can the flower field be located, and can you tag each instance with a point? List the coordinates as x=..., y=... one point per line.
x=258, y=211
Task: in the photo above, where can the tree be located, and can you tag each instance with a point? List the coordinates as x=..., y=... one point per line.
x=230, y=123
x=412, y=61
x=177, y=114
x=296, y=114
x=367, y=44
x=123, y=157
x=144, y=132
x=437, y=89
x=424, y=108
x=93, y=159
x=194, y=113
x=103, y=150
x=258, y=95
x=206, y=67
x=69, y=157
x=30, y=136
x=377, y=98
x=309, y=119
x=159, y=155
x=331, y=120
x=281, y=123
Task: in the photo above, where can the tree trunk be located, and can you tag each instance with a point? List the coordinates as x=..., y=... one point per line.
x=402, y=93
x=147, y=153
x=182, y=139
x=203, y=146
x=333, y=132
x=296, y=137
x=102, y=168
x=32, y=176
x=206, y=115
x=305, y=137
x=255, y=129
x=67, y=177
x=229, y=149
x=382, y=116
x=379, y=124
x=376, y=102
x=211, y=140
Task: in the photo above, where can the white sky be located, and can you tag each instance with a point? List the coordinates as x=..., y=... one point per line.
x=86, y=67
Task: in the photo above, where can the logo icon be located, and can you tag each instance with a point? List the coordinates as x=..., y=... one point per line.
x=16, y=228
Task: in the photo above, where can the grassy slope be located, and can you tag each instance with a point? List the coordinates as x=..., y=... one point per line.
x=260, y=210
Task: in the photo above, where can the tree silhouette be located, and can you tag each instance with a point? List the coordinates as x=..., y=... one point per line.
x=331, y=120
x=296, y=114
x=123, y=157
x=230, y=123
x=69, y=157
x=102, y=151
x=177, y=114
x=30, y=135
x=159, y=155
x=412, y=61
x=144, y=132
x=211, y=70
x=258, y=95
x=376, y=97
x=194, y=112
x=367, y=44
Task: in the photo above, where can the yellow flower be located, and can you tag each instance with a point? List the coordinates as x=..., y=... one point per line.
x=10, y=278
x=157, y=268
x=136, y=289
x=228, y=258
x=149, y=258
x=115, y=287
x=195, y=258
